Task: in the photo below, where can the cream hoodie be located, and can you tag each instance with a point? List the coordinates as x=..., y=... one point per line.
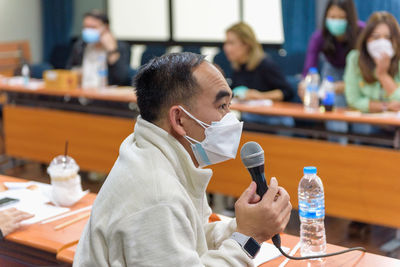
x=152, y=210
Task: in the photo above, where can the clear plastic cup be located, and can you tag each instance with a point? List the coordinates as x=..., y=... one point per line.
x=65, y=180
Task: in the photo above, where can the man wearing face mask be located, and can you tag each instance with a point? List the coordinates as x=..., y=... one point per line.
x=152, y=210
x=102, y=59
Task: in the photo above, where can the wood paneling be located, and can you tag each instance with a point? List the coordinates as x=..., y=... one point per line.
x=361, y=183
x=39, y=134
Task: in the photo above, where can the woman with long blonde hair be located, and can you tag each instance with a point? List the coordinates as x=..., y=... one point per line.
x=255, y=75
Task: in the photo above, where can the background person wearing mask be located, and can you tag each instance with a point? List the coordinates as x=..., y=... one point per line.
x=330, y=45
x=337, y=38
x=255, y=76
x=99, y=52
x=10, y=220
x=372, y=73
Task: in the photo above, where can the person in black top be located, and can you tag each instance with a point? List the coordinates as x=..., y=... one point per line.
x=255, y=75
x=96, y=31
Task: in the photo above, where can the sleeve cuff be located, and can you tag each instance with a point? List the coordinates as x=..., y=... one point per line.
x=362, y=105
x=395, y=95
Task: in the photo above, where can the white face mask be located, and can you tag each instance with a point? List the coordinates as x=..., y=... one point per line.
x=221, y=142
x=379, y=47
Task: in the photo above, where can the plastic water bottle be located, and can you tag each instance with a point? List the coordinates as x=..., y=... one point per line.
x=311, y=99
x=312, y=213
x=25, y=74
x=327, y=93
x=102, y=72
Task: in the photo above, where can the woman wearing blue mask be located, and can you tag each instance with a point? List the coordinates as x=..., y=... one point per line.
x=331, y=44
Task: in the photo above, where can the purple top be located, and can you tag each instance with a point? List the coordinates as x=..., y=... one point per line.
x=315, y=47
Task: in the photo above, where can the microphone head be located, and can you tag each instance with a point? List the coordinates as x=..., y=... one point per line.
x=252, y=155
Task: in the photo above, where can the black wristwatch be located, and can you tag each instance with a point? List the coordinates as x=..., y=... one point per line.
x=248, y=244
x=113, y=51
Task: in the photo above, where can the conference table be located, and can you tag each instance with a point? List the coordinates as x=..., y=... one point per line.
x=40, y=245
x=361, y=182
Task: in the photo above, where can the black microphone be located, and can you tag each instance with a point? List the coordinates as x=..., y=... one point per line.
x=252, y=156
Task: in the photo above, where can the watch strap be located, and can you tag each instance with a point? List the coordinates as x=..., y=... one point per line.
x=248, y=244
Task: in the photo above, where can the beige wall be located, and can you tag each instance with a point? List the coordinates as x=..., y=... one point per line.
x=22, y=20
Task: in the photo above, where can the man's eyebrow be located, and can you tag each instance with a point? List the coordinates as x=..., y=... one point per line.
x=222, y=94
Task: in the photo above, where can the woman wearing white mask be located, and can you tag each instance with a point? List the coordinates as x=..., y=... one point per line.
x=331, y=44
x=372, y=71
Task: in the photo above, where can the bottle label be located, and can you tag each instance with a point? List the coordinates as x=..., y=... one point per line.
x=314, y=209
x=312, y=88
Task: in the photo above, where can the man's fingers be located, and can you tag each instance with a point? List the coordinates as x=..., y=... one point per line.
x=256, y=198
x=283, y=199
x=286, y=215
x=272, y=191
x=249, y=193
x=22, y=217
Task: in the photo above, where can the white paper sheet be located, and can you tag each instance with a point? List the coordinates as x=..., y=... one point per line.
x=34, y=202
x=268, y=252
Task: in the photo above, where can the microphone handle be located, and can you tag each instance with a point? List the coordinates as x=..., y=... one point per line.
x=258, y=176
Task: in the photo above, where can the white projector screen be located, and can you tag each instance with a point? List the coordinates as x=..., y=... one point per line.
x=139, y=19
x=265, y=17
x=194, y=20
x=203, y=20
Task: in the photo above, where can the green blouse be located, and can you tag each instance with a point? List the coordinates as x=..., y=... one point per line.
x=358, y=92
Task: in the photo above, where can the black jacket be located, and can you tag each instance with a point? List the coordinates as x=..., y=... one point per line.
x=118, y=73
x=265, y=77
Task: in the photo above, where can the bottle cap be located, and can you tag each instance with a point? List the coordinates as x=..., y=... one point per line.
x=329, y=78
x=310, y=170
x=313, y=70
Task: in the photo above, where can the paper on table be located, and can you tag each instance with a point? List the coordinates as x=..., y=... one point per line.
x=17, y=185
x=268, y=252
x=34, y=202
x=260, y=102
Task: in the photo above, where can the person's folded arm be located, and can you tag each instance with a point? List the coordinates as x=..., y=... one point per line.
x=353, y=94
x=274, y=78
x=119, y=69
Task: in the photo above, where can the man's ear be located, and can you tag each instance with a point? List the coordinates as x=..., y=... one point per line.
x=176, y=119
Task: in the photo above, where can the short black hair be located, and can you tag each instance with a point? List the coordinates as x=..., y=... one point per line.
x=97, y=14
x=165, y=81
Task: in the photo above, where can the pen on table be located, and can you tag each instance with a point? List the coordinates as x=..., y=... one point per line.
x=68, y=223
x=66, y=214
x=294, y=250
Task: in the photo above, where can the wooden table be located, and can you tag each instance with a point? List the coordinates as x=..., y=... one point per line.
x=39, y=243
x=355, y=258
x=340, y=114
x=39, y=133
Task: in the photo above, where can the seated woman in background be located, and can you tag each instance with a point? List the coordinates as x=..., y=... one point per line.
x=340, y=29
x=255, y=76
x=337, y=38
x=372, y=71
